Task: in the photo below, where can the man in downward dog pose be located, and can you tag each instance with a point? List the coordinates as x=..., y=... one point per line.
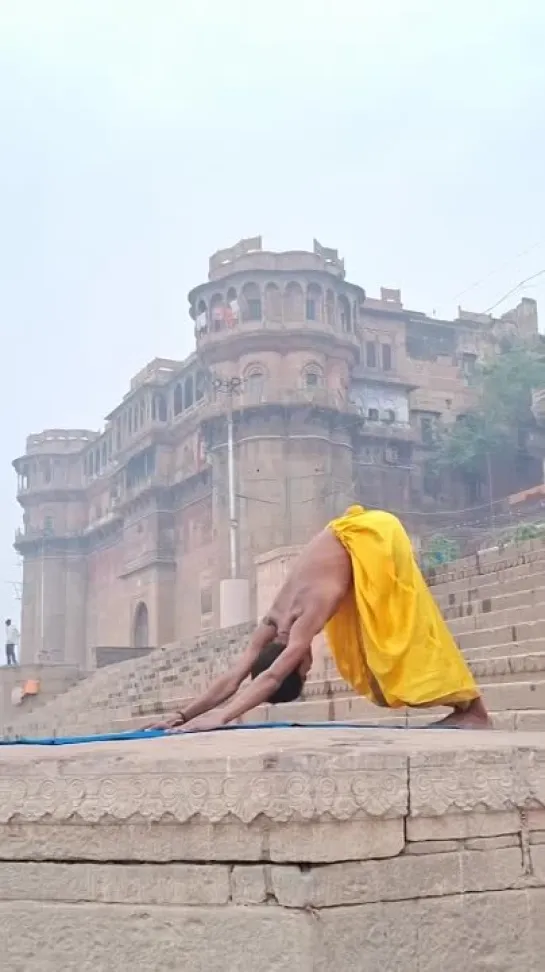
x=359, y=581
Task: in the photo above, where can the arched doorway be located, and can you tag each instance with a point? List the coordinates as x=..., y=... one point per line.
x=141, y=627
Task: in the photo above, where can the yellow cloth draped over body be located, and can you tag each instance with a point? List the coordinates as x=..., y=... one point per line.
x=388, y=632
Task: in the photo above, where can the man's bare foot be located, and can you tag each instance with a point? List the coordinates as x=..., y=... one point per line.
x=474, y=717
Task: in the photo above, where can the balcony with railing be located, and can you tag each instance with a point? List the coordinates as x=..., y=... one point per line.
x=290, y=305
x=389, y=431
x=30, y=534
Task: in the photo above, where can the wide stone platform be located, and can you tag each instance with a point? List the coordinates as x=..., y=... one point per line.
x=273, y=849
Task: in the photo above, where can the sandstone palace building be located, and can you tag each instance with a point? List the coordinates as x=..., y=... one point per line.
x=303, y=395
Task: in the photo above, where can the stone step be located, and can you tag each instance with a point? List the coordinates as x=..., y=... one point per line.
x=502, y=635
x=527, y=600
x=500, y=667
x=506, y=617
x=492, y=561
x=526, y=720
x=504, y=690
x=507, y=578
x=508, y=667
x=529, y=647
x=502, y=696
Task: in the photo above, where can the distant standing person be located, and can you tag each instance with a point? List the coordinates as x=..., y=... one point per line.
x=12, y=642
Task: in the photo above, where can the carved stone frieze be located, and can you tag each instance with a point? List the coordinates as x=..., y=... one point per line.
x=283, y=775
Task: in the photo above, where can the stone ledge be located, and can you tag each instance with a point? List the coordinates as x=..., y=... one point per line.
x=402, y=878
x=267, y=795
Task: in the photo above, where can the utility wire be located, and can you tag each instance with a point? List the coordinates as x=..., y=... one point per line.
x=493, y=273
x=514, y=290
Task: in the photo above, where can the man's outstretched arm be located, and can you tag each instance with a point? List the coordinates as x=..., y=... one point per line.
x=225, y=686
x=303, y=630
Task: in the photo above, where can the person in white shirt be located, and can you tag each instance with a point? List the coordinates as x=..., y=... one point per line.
x=12, y=641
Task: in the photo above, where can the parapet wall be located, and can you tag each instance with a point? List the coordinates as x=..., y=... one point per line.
x=276, y=849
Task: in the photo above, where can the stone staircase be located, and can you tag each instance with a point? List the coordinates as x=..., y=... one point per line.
x=494, y=603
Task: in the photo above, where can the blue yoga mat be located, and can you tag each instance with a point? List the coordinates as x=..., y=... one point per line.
x=157, y=733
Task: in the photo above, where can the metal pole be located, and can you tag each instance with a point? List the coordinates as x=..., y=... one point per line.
x=233, y=551
x=490, y=497
x=230, y=386
x=42, y=599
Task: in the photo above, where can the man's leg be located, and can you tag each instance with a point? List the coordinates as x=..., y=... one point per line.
x=10, y=653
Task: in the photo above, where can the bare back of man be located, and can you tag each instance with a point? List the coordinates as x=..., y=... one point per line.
x=317, y=583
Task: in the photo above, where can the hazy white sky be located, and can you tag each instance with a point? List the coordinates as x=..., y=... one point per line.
x=138, y=136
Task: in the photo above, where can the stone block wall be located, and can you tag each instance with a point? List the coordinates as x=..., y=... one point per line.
x=274, y=850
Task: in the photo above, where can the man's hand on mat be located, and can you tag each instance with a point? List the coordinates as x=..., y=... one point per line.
x=208, y=720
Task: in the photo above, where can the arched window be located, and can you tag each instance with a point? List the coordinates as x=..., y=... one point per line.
x=159, y=407
x=178, y=399
x=141, y=626
x=217, y=312
x=104, y=454
x=330, y=308
x=232, y=309
x=313, y=376
x=294, y=303
x=189, y=395
x=201, y=321
x=345, y=314
x=273, y=303
x=251, y=302
x=314, y=302
x=200, y=383
x=254, y=383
